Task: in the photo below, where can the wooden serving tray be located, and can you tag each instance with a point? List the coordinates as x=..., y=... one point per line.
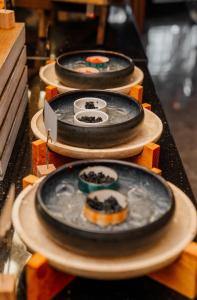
x=180, y=231
x=150, y=132
x=48, y=75
x=7, y=151
x=11, y=44
x=11, y=85
x=10, y=116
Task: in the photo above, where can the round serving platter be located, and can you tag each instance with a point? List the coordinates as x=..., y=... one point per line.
x=60, y=204
x=93, y=69
x=150, y=131
x=49, y=77
x=181, y=230
x=122, y=119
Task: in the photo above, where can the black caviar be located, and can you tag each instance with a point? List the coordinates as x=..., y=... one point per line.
x=98, y=178
x=87, y=119
x=110, y=205
x=90, y=105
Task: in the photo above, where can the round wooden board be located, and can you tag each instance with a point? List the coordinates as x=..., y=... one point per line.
x=181, y=230
x=150, y=131
x=48, y=75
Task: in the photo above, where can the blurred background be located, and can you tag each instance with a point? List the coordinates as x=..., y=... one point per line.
x=168, y=30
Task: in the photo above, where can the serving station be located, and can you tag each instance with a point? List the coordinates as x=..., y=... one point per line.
x=95, y=213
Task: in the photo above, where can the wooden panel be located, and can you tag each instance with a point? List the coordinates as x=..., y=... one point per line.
x=9, y=119
x=12, y=136
x=11, y=85
x=11, y=44
x=41, y=4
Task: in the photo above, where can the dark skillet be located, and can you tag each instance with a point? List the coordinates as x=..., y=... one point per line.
x=151, y=206
x=119, y=130
x=102, y=80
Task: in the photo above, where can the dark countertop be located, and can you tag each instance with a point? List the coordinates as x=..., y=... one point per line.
x=125, y=39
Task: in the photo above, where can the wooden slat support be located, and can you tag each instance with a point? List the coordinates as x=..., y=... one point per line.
x=7, y=287
x=29, y=180
x=51, y=92
x=39, y=156
x=147, y=106
x=137, y=92
x=181, y=275
x=156, y=171
x=44, y=170
x=44, y=282
x=149, y=157
x=7, y=19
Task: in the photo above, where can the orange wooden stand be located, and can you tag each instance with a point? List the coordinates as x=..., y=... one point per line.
x=181, y=276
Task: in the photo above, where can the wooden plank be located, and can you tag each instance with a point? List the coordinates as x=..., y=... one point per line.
x=11, y=85
x=15, y=103
x=12, y=136
x=11, y=44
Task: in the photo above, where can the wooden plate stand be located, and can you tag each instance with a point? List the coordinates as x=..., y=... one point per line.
x=44, y=282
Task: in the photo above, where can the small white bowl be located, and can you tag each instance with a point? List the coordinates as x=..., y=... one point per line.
x=90, y=113
x=79, y=104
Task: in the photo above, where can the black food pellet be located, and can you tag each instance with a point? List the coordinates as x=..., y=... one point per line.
x=90, y=105
x=98, y=178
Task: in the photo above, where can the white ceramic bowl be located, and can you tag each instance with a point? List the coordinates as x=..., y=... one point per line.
x=90, y=113
x=79, y=104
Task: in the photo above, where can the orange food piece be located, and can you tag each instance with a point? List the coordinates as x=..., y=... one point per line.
x=97, y=59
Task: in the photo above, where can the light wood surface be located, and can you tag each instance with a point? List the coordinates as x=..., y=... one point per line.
x=11, y=43
x=48, y=76
x=11, y=85
x=4, y=159
x=11, y=114
x=150, y=132
x=180, y=231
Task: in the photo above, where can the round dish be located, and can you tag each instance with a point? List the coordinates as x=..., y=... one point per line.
x=49, y=77
x=89, y=103
x=150, y=203
x=150, y=132
x=181, y=231
x=90, y=118
x=105, y=207
x=87, y=186
x=125, y=119
x=119, y=74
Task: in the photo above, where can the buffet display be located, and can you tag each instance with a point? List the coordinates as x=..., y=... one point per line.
x=97, y=217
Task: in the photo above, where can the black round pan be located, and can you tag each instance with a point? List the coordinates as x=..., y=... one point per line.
x=67, y=74
x=125, y=119
x=59, y=206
